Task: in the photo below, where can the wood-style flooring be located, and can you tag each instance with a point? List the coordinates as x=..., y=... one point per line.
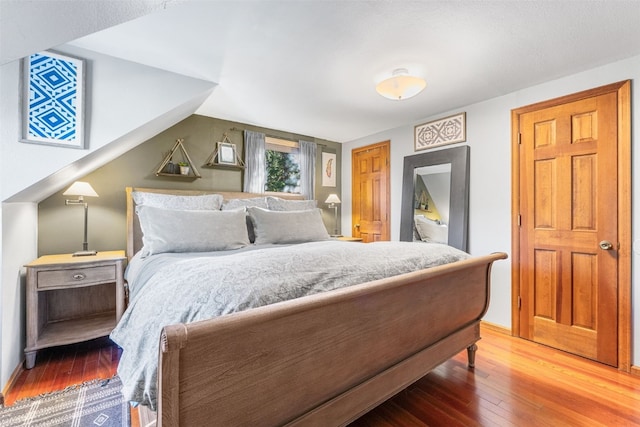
x=515, y=383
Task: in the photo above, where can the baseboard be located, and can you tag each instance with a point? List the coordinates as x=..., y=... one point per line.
x=12, y=380
x=635, y=370
x=495, y=328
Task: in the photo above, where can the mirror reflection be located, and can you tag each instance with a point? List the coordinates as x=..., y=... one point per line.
x=435, y=197
x=432, y=186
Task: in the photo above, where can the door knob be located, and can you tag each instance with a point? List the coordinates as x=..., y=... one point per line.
x=606, y=245
x=356, y=226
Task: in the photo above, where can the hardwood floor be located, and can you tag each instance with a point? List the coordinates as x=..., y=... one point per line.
x=57, y=368
x=515, y=383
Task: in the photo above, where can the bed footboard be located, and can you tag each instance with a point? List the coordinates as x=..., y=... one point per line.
x=325, y=359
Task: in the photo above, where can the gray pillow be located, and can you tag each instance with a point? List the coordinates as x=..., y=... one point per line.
x=278, y=204
x=431, y=231
x=172, y=201
x=287, y=226
x=168, y=230
x=243, y=204
x=230, y=204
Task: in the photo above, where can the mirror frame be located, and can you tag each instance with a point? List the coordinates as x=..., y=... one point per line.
x=458, y=202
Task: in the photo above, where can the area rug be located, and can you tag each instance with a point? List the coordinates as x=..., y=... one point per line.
x=96, y=403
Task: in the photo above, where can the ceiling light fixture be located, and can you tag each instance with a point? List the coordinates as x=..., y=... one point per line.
x=401, y=85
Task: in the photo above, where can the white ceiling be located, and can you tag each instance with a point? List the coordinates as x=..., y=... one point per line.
x=310, y=67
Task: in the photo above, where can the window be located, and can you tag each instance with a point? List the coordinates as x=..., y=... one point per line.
x=283, y=168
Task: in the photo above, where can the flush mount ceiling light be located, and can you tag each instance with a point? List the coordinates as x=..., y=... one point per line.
x=401, y=85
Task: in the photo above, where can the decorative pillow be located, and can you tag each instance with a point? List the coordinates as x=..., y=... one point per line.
x=260, y=202
x=168, y=230
x=230, y=204
x=176, y=202
x=287, y=226
x=431, y=231
x=278, y=204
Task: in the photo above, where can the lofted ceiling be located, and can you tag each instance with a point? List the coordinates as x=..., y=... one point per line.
x=310, y=67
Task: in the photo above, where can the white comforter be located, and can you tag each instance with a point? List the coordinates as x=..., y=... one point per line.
x=171, y=289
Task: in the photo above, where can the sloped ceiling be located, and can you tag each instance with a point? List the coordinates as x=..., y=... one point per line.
x=310, y=67
x=29, y=26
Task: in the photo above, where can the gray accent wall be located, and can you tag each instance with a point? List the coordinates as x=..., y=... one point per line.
x=60, y=227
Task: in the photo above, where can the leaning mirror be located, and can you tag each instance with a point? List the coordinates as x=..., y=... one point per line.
x=435, y=197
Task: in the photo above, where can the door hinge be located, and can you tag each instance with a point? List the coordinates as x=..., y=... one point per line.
x=519, y=220
x=519, y=302
x=519, y=138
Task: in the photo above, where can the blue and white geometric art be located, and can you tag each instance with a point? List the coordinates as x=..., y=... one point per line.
x=53, y=110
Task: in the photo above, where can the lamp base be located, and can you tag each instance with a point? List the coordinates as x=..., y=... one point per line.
x=85, y=253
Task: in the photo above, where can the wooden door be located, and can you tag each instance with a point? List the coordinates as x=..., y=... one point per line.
x=370, y=189
x=568, y=239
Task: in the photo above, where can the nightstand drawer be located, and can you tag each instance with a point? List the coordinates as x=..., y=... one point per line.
x=76, y=277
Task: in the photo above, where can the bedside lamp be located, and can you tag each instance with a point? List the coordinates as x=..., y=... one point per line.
x=81, y=189
x=333, y=202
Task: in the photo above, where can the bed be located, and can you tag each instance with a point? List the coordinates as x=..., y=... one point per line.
x=322, y=358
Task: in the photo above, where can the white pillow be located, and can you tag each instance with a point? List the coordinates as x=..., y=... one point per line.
x=431, y=231
x=178, y=202
x=287, y=226
x=278, y=204
x=168, y=230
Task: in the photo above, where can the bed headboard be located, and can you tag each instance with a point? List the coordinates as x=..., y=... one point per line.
x=134, y=233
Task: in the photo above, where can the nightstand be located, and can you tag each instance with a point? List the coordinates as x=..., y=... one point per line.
x=350, y=239
x=72, y=299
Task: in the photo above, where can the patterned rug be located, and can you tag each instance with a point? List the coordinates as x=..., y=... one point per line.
x=96, y=403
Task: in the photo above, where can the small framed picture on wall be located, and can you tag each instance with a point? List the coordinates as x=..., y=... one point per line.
x=329, y=170
x=227, y=153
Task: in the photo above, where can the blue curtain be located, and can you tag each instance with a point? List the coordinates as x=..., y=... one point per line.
x=308, y=169
x=255, y=173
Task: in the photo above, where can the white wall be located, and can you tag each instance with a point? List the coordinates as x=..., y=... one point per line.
x=19, y=246
x=127, y=104
x=488, y=135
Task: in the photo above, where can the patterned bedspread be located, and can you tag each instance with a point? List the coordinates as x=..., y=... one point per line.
x=187, y=289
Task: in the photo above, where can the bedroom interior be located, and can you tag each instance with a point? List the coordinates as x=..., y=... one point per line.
x=126, y=147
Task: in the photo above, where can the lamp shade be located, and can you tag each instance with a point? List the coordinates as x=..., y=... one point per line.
x=401, y=85
x=333, y=198
x=80, y=188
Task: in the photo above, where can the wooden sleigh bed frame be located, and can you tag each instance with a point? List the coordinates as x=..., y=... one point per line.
x=320, y=360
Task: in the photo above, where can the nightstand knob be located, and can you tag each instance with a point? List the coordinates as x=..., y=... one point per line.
x=79, y=276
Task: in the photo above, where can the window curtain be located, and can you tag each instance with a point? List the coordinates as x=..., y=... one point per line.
x=308, y=169
x=255, y=173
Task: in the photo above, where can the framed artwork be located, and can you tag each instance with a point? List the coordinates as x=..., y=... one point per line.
x=448, y=130
x=329, y=170
x=227, y=153
x=53, y=100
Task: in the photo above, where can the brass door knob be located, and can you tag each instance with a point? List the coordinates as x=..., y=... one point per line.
x=606, y=245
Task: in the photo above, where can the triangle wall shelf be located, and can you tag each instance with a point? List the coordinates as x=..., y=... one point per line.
x=170, y=169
